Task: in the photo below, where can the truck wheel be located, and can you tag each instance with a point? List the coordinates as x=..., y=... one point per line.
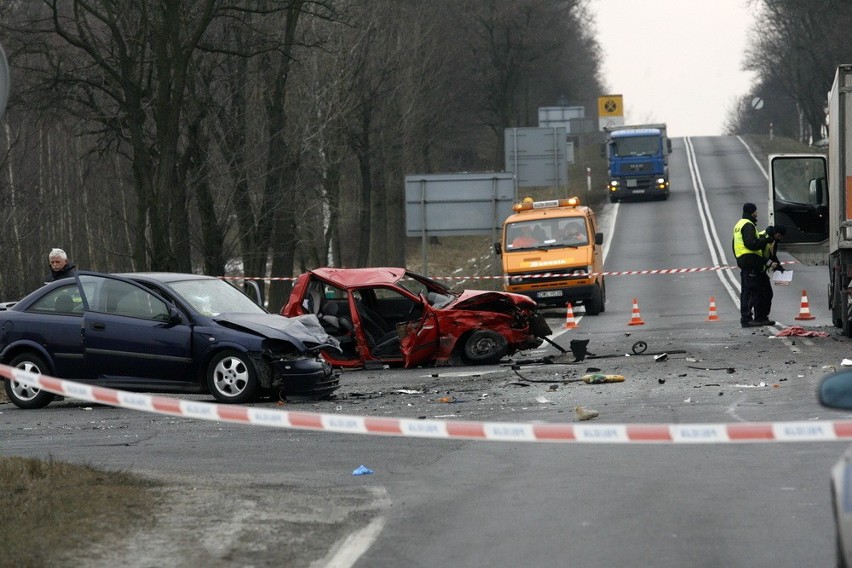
x=835, y=303
x=485, y=347
x=613, y=199
x=24, y=396
x=594, y=306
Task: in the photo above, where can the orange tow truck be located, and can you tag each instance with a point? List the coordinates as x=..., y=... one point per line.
x=553, y=253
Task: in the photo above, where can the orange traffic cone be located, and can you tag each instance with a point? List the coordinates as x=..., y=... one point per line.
x=636, y=319
x=569, y=317
x=712, y=315
x=804, y=311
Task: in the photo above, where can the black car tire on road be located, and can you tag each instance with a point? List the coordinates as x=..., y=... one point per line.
x=485, y=347
x=232, y=378
x=25, y=396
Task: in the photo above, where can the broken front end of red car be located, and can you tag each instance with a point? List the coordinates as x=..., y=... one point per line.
x=390, y=316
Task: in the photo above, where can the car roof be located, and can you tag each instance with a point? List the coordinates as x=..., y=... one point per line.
x=164, y=277
x=354, y=277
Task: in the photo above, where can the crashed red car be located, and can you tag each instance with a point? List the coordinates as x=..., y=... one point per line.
x=394, y=316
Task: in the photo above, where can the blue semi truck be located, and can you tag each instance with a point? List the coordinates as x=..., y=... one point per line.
x=638, y=158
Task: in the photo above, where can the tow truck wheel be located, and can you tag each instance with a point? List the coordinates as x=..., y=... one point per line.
x=594, y=305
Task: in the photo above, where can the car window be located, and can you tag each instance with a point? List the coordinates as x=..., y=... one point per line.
x=387, y=294
x=65, y=300
x=109, y=296
x=140, y=304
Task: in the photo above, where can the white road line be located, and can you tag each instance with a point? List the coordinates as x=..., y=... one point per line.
x=353, y=546
x=717, y=251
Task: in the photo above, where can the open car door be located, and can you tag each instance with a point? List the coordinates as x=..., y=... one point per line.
x=421, y=340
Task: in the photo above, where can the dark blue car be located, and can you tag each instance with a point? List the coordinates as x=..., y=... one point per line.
x=162, y=332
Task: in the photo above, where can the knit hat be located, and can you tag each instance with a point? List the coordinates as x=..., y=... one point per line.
x=749, y=208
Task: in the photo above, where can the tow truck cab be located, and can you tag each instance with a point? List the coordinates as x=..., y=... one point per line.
x=552, y=252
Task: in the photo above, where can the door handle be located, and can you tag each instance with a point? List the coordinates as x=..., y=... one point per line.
x=98, y=325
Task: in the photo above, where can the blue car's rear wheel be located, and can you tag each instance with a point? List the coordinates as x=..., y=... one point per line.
x=25, y=396
x=231, y=377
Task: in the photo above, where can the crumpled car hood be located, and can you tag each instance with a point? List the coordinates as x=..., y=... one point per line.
x=475, y=299
x=304, y=332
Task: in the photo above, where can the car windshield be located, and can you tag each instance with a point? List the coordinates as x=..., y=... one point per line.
x=554, y=232
x=212, y=297
x=417, y=285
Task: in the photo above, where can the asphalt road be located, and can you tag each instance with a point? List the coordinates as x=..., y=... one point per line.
x=256, y=496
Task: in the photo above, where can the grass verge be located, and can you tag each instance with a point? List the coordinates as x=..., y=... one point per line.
x=49, y=509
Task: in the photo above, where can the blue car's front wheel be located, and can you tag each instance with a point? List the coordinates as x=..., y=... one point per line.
x=231, y=377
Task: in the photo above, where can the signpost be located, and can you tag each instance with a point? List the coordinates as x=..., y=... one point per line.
x=456, y=204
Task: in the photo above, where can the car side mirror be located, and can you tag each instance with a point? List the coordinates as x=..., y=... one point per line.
x=174, y=315
x=498, y=249
x=835, y=391
x=598, y=239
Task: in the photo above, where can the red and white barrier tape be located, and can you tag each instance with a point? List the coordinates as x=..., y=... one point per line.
x=822, y=431
x=652, y=271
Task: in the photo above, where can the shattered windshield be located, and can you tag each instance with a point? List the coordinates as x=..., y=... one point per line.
x=213, y=297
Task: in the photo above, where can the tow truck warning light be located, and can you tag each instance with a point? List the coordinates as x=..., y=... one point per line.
x=528, y=204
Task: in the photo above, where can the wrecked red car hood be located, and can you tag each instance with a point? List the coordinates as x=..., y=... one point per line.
x=474, y=299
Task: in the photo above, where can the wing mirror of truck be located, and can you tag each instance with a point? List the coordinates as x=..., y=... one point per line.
x=498, y=250
x=598, y=238
x=816, y=191
x=669, y=145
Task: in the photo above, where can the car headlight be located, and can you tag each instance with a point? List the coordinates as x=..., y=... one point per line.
x=613, y=184
x=516, y=280
x=661, y=181
x=583, y=270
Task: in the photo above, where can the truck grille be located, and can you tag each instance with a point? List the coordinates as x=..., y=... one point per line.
x=542, y=278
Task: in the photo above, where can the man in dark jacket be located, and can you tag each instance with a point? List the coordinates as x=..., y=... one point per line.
x=60, y=266
x=748, y=249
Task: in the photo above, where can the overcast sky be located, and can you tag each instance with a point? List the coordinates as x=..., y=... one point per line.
x=675, y=61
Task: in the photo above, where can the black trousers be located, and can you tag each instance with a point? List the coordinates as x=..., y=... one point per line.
x=755, y=295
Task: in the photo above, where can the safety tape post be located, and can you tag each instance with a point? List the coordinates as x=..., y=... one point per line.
x=646, y=272
x=741, y=432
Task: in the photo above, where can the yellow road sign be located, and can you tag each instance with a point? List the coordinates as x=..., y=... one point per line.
x=610, y=105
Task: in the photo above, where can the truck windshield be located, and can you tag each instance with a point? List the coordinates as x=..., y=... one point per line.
x=546, y=233
x=636, y=146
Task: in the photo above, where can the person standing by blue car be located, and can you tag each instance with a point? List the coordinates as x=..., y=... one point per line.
x=60, y=266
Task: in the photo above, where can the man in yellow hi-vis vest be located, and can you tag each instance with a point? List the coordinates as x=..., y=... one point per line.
x=748, y=249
